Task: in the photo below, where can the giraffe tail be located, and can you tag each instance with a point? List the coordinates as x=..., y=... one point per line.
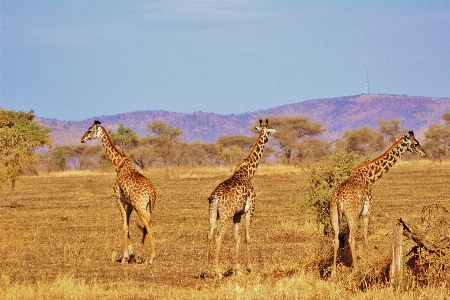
x=142, y=228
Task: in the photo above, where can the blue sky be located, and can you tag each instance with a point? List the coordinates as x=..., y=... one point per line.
x=73, y=60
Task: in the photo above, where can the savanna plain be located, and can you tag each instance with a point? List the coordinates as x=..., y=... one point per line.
x=62, y=238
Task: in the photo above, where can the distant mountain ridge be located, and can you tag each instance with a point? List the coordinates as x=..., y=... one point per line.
x=338, y=115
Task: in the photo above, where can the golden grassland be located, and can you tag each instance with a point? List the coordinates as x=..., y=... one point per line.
x=63, y=238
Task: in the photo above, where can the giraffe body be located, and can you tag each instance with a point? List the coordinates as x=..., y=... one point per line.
x=132, y=190
x=231, y=200
x=352, y=199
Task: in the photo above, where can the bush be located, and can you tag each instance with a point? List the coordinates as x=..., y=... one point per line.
x=324, y=176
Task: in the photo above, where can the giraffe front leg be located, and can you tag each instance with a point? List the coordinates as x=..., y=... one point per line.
x=126, y=235
x=124, y=213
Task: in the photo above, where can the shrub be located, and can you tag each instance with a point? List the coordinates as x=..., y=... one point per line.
x=324, y=176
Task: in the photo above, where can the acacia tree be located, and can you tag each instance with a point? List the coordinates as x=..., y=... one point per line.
x=391, y=130
x=438, y=138
x=364, y=140
x=163, y=139
x=20, y=137
x=292, y=131
x=232, y=148
x=124, y=137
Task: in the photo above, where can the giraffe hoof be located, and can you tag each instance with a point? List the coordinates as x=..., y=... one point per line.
x=152, y=258
x=249, y=269
x=124, y=260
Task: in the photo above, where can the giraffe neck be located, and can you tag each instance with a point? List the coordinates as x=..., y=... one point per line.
x=247, y=168
x=376, y=168
x=117, y=158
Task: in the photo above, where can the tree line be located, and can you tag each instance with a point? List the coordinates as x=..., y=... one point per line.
x=298, y=140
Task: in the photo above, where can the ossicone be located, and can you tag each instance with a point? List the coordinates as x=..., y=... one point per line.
x=411, y=132
x=97, y=122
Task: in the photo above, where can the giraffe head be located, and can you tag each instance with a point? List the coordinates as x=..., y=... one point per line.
x=265, y=130
x=413, y=145
x=92, y=133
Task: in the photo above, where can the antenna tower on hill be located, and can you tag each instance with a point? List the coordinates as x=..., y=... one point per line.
x=367, y=84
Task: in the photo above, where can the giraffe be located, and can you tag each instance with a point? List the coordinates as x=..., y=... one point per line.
x=233, y=198
x=132, y=191
x=352, y=198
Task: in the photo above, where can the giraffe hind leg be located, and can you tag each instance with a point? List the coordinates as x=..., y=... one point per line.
x=248, y=221
x=147, y=230
x=335, y=220
x=213, y=216
x=221, y=229
x=129, y=210
x=237, y=239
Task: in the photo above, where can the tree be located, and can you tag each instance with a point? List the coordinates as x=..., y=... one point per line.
x=124, y=137
x=241, y=141
x=231, y=149
x=291, y=132
x=446, y=117
x=391, y=130
x=162, y=138
x=20, y=137
x=364, y=140
x=438, y=138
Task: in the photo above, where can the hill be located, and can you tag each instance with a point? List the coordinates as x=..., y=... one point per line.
x=338, y=115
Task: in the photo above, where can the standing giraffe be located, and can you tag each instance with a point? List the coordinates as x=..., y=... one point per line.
x=233, y=198
x=352, y=198
x=132, y=191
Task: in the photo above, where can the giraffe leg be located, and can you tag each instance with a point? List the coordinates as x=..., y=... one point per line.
x=147, y=229
x=334, y=217
x=126, y=234
x=351, y=241
x=221, y=229
x=366, y=227
x=212, y=226
x=237, y=239
x=248, y=220
x=129, y=210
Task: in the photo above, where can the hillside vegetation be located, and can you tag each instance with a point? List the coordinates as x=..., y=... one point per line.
x=337, y=115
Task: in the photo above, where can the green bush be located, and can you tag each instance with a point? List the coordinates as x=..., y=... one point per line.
x=324, y=176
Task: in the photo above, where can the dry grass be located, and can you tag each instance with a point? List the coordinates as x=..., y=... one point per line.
x=63, y=238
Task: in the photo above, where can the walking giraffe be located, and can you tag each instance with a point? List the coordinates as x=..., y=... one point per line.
x=132, y=191
x=233, y=198
x=352, y=198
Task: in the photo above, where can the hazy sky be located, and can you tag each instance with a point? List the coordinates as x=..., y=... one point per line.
x=72, y=60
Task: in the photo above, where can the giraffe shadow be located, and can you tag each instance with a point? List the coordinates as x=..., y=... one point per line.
x=205, y=274
x=133, y=260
